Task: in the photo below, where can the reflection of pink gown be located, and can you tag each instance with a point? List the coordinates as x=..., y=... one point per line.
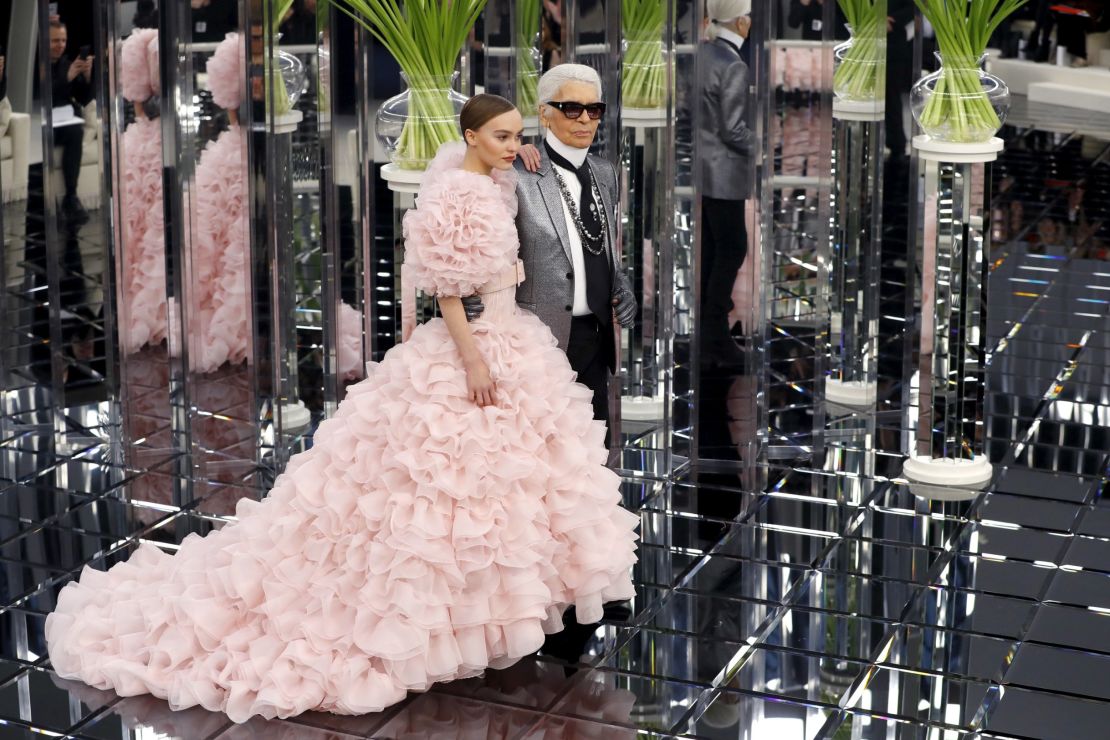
x=487, y=711
x=421, y=539
x=221, y=247
x=143, y=283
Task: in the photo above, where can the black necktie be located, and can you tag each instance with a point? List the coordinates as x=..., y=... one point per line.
x=598, y=281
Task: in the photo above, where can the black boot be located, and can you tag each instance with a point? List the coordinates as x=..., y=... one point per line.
x=73, y=211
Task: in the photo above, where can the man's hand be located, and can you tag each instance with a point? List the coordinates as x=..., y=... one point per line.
x=624, y=305
x=80, y=67
x=473, y=306
x=530, y=158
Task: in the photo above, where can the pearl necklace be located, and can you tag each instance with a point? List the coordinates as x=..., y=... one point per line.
x=587, y=239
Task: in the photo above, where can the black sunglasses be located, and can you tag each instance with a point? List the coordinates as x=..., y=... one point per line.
x=574, y=110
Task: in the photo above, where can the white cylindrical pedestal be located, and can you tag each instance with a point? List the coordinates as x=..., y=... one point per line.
x=287, y=123
x=932, y=150
x=642, y=408
x=401, y=180
x=859, y=110
x=294, y=416
x=852, y=394
x=644, y=117
x=945, y=479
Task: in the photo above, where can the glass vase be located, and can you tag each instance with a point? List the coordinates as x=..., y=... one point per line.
x=643, y=74
x=859, y=65
x=961, y=102
x=528, y=62
x=413, y=125
x=287, y=81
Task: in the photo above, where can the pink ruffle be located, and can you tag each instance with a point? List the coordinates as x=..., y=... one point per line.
x=459, y=234
x=143, y=284
x=135, y=69
x=218, y=321
x=421, y=539
x=226, y=71
x=349, y=349
x=155, y=70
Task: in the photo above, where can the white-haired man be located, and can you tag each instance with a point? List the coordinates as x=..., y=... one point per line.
x=567, y=222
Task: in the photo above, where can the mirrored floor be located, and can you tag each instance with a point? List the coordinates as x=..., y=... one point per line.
x=805, y=599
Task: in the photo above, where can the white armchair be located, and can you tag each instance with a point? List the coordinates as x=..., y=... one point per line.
x=88, y=182
x=15, y=144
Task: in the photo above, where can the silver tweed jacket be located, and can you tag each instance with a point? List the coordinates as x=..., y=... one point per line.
x=724, y=139
x=548, y=287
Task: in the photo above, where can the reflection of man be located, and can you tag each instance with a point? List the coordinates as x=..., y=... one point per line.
x=899, y=72
x=212, y=20
x=70, y=83
x=725, y=143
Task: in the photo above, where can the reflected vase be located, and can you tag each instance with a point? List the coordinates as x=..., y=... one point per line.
x=528, y=62
x=859, y=65
x=287, y=81
x=643, y=74
x=412, y=126
x=961, y=102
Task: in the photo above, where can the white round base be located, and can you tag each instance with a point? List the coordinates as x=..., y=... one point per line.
x=859, y=110
x=642, y=408
x=294, y=416
x=930, y=149
x=402, y=181
x=850, y=393
x=644, y=117
x=286, y=123
x=962, y=478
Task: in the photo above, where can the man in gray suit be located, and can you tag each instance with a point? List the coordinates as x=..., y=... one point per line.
x=725, y=143
x=567, y=221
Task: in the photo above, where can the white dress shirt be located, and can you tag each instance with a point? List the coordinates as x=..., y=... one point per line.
x=729, y=35
x=576, y=156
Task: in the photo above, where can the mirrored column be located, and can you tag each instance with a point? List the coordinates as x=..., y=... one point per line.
x=954, y=183
x=849, y=270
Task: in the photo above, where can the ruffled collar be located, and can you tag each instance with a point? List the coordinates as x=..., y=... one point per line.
x=450, y=156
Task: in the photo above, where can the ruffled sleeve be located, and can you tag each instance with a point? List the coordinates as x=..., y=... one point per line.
x=135, y=69
x=461, y=233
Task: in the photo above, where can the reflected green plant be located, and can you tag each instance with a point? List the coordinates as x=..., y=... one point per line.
x=643, y=69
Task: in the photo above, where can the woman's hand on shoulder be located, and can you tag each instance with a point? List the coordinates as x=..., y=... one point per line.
x=479, y=383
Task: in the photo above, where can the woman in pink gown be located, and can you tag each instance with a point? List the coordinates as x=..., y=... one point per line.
x=143, y=284
x=456, y=504
x=218, y=330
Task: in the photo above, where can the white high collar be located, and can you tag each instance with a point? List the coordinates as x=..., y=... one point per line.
x=730, y=35
x=572, y=154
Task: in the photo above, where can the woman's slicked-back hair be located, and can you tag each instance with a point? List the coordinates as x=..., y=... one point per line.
x=480, y=109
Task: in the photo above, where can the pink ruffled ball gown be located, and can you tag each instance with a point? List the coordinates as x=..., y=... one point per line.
x=143, y=282
x=421, y=539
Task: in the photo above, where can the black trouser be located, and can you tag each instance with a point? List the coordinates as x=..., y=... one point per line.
x=899, y=78
x=724, y=246
x=587, y=356
x=71, y=140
